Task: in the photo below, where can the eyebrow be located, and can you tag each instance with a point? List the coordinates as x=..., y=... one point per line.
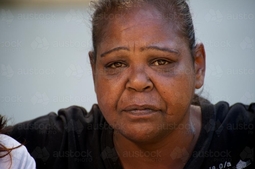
x=164, y=49
x=114, y=50
x=142, y=49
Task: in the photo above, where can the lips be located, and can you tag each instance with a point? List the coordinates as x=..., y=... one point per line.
x=140, y=110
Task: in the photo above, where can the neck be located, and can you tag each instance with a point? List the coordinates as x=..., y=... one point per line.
x=171, y=151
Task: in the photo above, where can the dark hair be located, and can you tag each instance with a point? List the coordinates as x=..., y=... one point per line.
x=176, y=11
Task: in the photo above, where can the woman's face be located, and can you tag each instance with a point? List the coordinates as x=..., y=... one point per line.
x=144, y=75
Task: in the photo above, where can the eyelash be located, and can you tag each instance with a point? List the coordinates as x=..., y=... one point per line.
x=119, y=64
x=115, y=66
x=165, y=62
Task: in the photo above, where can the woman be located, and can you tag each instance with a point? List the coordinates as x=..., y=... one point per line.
x=13, y=155
x=146, y=67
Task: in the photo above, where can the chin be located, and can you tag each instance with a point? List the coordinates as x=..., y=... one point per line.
x=141, y=133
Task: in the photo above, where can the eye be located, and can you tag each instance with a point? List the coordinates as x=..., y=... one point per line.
x=160, y=62
x=116, y=65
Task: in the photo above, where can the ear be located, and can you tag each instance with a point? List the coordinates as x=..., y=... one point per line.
x=92, y=63
x=200, y=65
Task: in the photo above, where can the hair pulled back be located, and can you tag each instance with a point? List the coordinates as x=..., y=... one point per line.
x=175, y=11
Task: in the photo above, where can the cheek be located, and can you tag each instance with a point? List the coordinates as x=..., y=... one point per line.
x=178, y=90
x=108, y=91
x=183, y=92
x=106, y=99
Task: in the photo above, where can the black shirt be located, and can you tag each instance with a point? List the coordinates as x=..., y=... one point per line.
x=76, y=139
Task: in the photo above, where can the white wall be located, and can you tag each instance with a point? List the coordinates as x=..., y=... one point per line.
x=227, y=28
x=44, y=63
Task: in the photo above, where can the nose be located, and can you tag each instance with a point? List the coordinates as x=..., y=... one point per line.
x=138, y=80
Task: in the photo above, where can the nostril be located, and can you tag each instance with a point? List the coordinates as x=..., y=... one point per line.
x=147, y=87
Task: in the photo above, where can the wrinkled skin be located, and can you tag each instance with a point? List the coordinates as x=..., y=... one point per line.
x=145, y=77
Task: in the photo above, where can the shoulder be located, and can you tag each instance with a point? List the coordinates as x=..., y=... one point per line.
x=243, y=112
x=222, y=112
x=8, y=142
x=18, y=158
x=237, y=117
x=57, y=123
x=77, y=112
x=62, y=131
x=229, y=133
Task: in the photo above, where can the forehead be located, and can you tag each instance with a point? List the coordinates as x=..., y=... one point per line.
x=142, y=25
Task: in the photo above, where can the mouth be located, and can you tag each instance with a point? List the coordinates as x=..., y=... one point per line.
x=140, y=110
